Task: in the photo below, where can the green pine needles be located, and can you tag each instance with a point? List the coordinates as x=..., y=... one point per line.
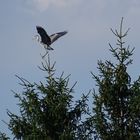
x=48, y=110
x=115, y=112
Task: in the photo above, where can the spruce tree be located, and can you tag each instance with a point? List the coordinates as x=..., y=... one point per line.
x=116, y=105
x=47, y=110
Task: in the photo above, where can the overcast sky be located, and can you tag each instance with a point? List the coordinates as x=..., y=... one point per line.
x=88, y=23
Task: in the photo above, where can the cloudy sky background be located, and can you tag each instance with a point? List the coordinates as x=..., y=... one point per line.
x=88, y=23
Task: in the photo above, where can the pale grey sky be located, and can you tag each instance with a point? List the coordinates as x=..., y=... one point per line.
x=88, y=23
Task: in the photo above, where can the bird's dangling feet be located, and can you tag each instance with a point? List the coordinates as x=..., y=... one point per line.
x=43, y=56
x=47, y=48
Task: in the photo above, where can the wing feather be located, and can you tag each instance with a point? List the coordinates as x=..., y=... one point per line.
x=55, y=36
x=44, y=36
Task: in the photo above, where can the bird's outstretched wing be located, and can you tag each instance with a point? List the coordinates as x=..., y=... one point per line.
x=45, y=39
x=55, y=36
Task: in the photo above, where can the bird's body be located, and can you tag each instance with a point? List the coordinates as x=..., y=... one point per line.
x=47, y=40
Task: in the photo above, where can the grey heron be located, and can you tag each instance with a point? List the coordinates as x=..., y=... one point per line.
x=47, y=40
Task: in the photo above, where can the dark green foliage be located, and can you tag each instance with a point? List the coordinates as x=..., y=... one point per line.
x=116, y=105
x=3, y=136
x=47, y=110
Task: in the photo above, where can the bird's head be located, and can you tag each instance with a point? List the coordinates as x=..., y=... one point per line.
x=37, y=37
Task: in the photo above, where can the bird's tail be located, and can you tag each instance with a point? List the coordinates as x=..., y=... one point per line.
x=48, y=47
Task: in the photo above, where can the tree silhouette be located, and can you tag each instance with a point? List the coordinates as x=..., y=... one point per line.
x=48, y=110
x=116, y=105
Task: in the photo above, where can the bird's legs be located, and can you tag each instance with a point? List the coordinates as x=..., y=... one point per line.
x=45, y=53
x=47, y=47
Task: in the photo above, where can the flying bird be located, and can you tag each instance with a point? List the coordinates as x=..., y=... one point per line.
x=47, y=40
